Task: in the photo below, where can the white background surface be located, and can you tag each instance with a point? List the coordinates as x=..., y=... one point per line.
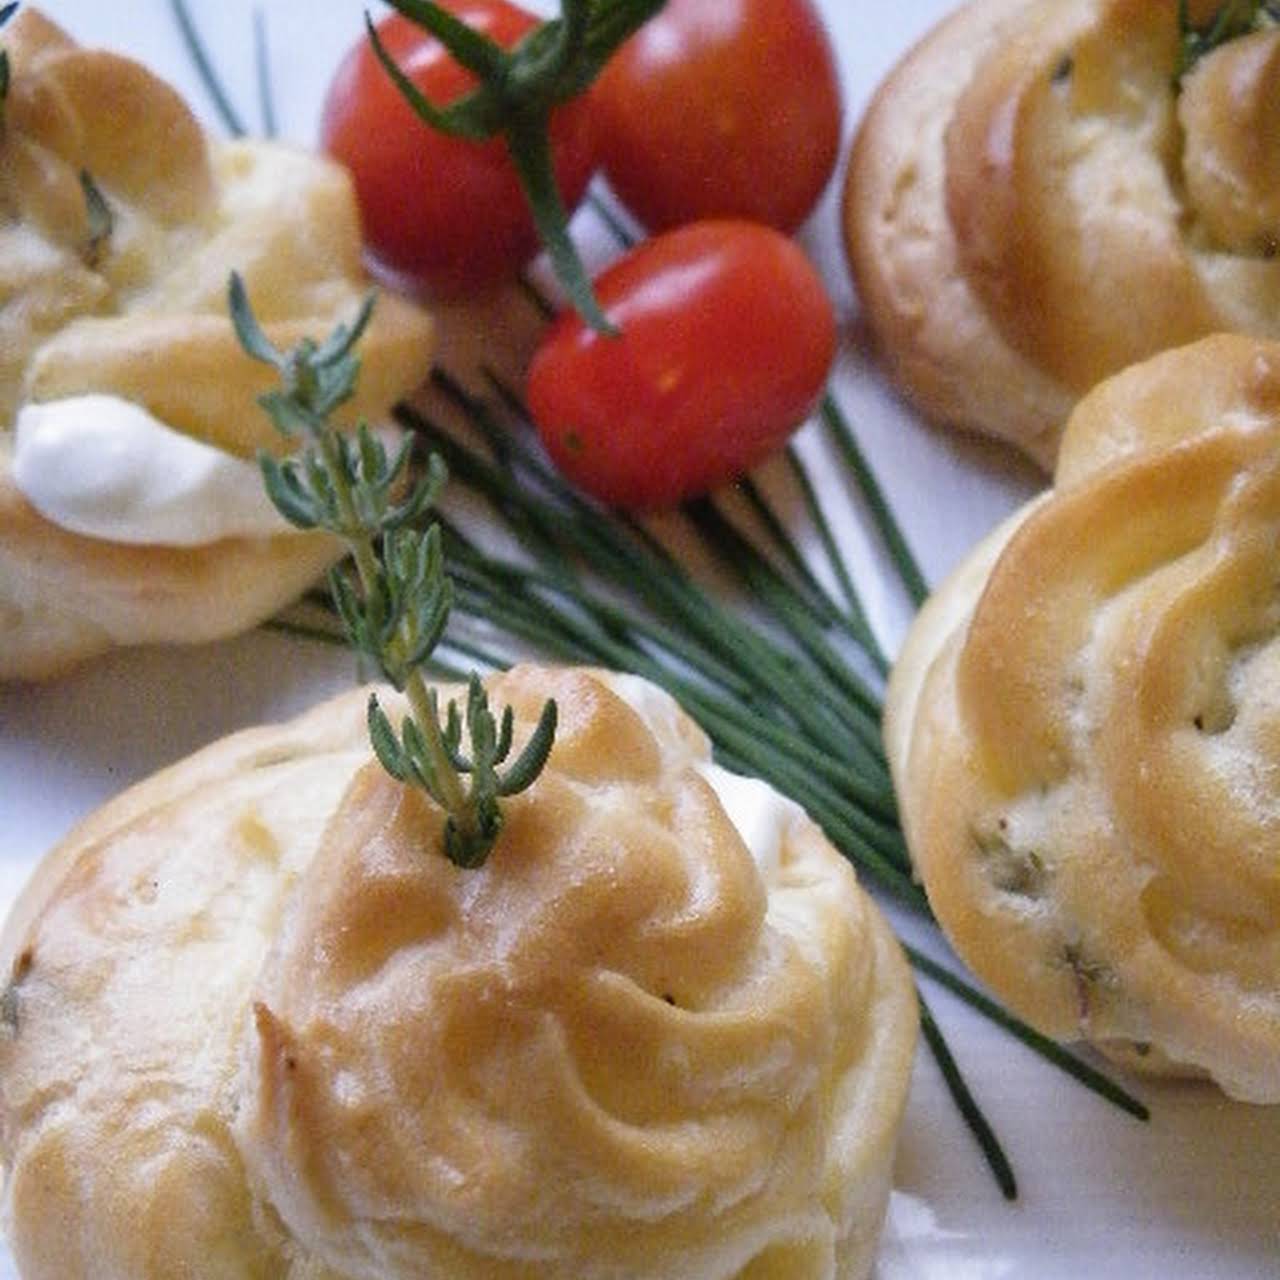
x=1196, y=1193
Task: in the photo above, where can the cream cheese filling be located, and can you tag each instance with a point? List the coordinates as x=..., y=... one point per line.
x=760, y=815
x=103, y=467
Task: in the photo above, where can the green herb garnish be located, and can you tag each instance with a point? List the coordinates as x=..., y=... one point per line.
x=101, y=219
x=6, y=12
x=204, y=68
x=393, y=596
x=1232, y=19
x=517, y=92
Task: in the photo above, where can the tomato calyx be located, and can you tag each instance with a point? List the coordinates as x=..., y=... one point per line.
x=517, y=90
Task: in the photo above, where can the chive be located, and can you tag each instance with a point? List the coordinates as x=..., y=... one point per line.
x=992, y=1151
x=815, y=598
x=306, y=630
x=881, y=513
x=262, y=63
x=612, y=220
x=855, y=619
x=204, y=67
x=767, y=586
x=545, y=307
x=1048, y=1049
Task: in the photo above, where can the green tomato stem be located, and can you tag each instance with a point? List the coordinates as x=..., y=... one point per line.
x=518, y=90
x=530, y=150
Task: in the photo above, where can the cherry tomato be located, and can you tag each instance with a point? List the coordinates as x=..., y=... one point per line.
x=721, y=108
x=726, y=337
x=445, y=214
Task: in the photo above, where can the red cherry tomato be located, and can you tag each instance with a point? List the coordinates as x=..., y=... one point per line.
x=726, y=338
x=442, y=213
x=721, y=108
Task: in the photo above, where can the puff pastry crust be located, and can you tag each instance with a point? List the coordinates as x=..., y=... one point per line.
x=141, y=314
x=1031, y=205
x=1084, y=728
x=254, y=1030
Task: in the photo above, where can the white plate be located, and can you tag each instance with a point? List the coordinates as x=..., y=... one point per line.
x=1195, y=1193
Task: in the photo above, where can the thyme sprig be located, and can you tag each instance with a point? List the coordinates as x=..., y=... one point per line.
x=1233, y=18
x=393, y=597
x=517, y=92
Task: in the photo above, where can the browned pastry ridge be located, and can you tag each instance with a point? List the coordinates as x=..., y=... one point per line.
x=257, y=1027
x=1084, y=728
x=141, y=314
x=1031, y=205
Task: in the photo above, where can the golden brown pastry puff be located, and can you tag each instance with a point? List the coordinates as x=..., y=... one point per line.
x=128, y=511
x=1084, y=728
x=256, y=1025
x=1033, y=203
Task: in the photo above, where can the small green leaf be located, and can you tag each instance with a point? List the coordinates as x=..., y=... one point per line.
x=372, y=455
x=424, y=496
x=287, y=416
x=425, y=767
x=503, y=746
x=349, y=607
x=286, y=492
x=531, y=761
x=341, y=342
x=452, y=738
x=248, y=330
x=385, y=744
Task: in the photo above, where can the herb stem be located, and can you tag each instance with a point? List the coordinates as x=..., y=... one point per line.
x=1048, y=1049
x=881, y=513
x=453, y=796
x=978, y=1124
x=204, y=68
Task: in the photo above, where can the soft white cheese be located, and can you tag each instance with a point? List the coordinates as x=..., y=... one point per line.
x=760, y=814
x=104, y=467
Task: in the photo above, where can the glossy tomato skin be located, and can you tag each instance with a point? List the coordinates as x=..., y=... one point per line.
x=441, y=213
x=721, y=108
x=726, y=339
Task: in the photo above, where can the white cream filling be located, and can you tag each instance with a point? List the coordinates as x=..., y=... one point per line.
x=760, y=814
x=105, y=468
